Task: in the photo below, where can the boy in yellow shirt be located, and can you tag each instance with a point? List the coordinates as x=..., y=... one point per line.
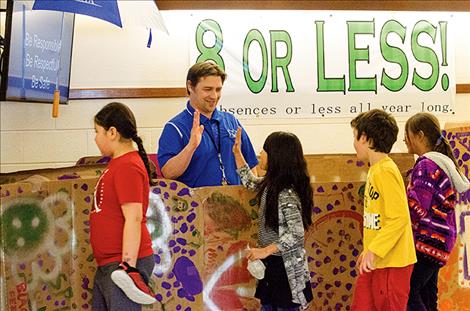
x=386, y=263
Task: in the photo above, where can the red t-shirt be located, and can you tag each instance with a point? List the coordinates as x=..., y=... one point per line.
x=124, y=181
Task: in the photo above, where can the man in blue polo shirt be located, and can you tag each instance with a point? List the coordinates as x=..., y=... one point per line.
x=196, y=145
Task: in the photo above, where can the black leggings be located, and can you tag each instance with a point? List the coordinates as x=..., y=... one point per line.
x=423, y=286
x=274, y=289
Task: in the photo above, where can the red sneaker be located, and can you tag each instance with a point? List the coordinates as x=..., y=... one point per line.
x=130, y=281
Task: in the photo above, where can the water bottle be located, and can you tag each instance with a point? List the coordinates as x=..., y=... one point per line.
x=256, y=268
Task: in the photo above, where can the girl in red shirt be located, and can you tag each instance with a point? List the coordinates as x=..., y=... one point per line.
x=119, y=237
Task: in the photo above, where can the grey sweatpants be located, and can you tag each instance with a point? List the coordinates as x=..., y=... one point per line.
x=107, y=296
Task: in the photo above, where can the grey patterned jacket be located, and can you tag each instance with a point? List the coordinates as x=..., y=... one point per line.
x=290, y=241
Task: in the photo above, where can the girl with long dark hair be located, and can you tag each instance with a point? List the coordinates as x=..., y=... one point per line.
x=434, y=183
x=121, y=243
x=286, y=202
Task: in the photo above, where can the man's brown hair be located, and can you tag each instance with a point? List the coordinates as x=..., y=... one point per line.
x=205, y=69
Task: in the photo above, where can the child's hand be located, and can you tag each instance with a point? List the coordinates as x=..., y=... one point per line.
x=132, y=284
x=256, y=253
x=366, y=262
x=359, y=259
x=237, y=146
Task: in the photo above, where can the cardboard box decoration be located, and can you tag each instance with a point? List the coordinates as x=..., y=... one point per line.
x=199, y=236
x=454, y=278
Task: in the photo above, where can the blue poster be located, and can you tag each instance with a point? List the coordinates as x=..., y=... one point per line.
x=107, y=10
x=40, y=54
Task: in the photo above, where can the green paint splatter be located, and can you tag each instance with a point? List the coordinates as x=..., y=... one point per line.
x=254, y=215
x=58, y=281
x=361, y=191
x=64, y=190
x=24, y=228
x=179, y=204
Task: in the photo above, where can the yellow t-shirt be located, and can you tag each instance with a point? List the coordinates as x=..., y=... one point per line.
x=387, y=224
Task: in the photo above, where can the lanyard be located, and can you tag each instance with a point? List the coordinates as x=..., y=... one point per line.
x=219, y=155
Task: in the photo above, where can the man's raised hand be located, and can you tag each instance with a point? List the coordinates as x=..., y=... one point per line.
x=196, y=131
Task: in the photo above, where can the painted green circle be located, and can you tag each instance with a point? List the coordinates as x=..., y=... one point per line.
x=445, y=82
x=24, y=228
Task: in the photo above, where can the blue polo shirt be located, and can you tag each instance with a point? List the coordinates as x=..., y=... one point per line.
x=204, y=168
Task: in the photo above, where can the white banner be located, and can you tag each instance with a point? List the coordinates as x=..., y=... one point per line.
x=319, y=64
